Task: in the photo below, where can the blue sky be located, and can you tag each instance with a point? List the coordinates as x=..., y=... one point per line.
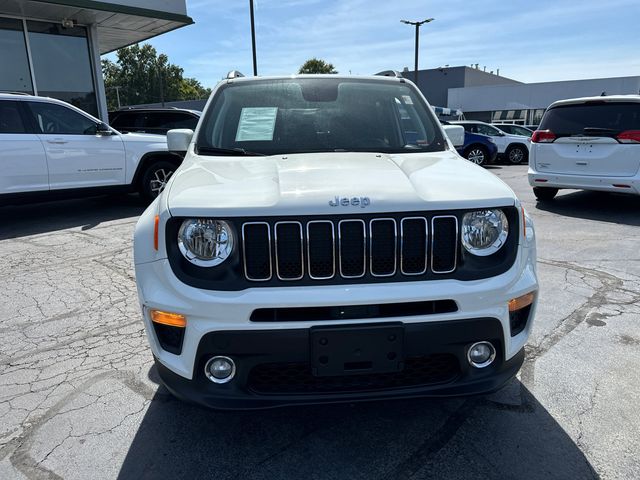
x=530, y=41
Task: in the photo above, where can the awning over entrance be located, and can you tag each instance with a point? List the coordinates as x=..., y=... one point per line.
x=118, y=24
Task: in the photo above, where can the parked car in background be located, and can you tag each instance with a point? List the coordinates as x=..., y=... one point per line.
x=153, y=120
x=51, y=148
x=590, y=143
x=512, y=148
x=514, y=129
x=479, y=149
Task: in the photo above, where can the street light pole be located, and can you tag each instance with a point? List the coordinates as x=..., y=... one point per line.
x=417, y=25
x=253, y=40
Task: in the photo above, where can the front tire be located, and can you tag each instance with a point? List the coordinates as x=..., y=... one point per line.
x=545, y=193
x=517, y=155
x=155, y=178
x=477, y=154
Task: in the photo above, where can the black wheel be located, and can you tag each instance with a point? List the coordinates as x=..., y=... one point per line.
x=517, y=154
x=544, y=193
x=155, y=178
x=477, y=154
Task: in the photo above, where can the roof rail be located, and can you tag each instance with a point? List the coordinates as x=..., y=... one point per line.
x=234, y=74
x=148, y=107
x=17, y=93
x=390, y=73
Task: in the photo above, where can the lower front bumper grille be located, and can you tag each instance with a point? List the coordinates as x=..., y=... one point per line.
x=296, y=378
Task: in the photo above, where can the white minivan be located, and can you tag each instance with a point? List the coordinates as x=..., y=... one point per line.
x=590, y=143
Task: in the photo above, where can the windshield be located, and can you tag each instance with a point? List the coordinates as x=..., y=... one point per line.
x=599, y=118
x=318, y=115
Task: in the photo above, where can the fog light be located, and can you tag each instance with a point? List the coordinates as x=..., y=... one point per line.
x=220, y=369
x=481, y=354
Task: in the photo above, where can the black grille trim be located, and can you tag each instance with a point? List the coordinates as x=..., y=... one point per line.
x=353, y=312
x=289, y=252
x=248, y=261
x=316, y=264
x=406, y=243
x=348, y=246
x=444, y=243
x=376, y=251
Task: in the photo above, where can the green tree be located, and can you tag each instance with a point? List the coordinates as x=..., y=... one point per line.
x=315, y=65
x=140, y=75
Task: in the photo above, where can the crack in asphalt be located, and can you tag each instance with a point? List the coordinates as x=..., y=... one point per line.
x=19, y=449
x=599, y=298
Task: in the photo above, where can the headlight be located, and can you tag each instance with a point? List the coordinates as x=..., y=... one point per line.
x=205, y=242
x=484, y=231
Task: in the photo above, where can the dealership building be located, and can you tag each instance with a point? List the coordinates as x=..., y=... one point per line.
x=53, y=48
x=489, y=97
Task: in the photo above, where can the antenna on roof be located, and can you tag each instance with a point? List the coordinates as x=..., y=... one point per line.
x=604, y=93
x=234, y=74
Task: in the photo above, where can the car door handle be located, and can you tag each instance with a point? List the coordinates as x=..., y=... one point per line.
x=57, y=141
x=582, y=163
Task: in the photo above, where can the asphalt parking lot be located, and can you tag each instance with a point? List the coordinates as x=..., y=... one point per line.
x=79, y=397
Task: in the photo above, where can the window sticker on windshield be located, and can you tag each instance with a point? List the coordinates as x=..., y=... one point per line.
x=407, y=100
x=256, y=124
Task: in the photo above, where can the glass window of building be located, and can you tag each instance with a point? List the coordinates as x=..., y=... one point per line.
x=62, y=64
x=14, y=63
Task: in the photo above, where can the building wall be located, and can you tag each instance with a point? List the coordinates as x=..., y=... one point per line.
x=435, y=83
x=527, y=96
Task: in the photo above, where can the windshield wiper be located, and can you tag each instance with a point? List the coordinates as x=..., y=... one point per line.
x=227, y=151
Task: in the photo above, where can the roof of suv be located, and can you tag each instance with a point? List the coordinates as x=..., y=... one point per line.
x=604, y=99
x=380, y=78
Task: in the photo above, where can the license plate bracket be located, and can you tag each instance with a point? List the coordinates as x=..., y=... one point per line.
x=358, y=350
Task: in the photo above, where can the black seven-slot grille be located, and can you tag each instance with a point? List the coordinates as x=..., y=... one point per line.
x=349, y=248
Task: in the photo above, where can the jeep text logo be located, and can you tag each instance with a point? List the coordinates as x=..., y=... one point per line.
x=363, y=202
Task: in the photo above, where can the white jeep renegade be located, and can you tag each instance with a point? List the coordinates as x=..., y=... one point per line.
x=322, y=242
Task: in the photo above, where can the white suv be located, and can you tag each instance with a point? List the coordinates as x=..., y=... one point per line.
x=512, y=148
x=588, y=143
x=49, y=148
x=323, y=242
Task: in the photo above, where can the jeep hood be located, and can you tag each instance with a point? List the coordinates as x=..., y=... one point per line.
x=308, y=184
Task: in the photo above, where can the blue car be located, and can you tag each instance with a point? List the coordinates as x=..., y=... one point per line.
x=479, y=149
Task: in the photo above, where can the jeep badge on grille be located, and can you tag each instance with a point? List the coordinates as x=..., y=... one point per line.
x=363, y=202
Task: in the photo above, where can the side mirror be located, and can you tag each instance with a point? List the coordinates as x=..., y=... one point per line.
x=455, y=134
x=178, y=140
x=103, y=129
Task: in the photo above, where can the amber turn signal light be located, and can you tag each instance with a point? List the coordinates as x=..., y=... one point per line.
x=156, y=224
x=521, y=302
x=168, y=318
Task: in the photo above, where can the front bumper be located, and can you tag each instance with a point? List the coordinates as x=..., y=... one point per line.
x=217, y=319
x=629, y=185
x=273, y=368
